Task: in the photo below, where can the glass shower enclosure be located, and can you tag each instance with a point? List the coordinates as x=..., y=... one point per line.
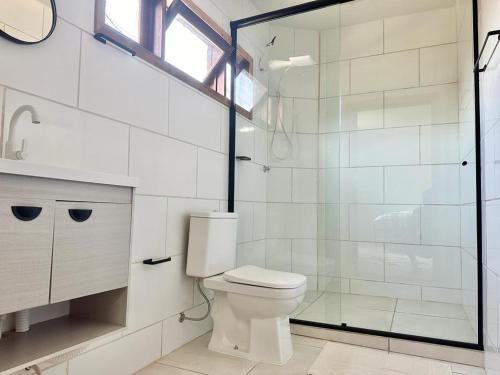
x=357, y=166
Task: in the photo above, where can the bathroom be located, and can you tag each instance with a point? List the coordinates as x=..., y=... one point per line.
x=335, y=158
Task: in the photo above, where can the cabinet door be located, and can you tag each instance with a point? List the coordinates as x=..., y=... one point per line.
x=91, y=249
x=26, y=228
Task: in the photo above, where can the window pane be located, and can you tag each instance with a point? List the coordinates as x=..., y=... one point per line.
x=123, y=16
x=190, y=50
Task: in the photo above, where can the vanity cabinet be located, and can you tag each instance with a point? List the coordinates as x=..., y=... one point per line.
x=26, y=229
x=64, y=238
x=91, y=249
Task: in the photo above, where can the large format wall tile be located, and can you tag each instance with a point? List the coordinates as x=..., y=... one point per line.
x=156, y=159
x=439, y=144
x=439, y=184
x=441, y=225
x=384, y=147
x=420, y=29
x=212, y=175
x=291, y=220
x=49, y=69
x=422, y=106
x=385, y=72
x=362, y=39
x=201, y=126
x=114, y=93
x=439, y=64
x=362, y=260
x=423, y=265
x=362, y=185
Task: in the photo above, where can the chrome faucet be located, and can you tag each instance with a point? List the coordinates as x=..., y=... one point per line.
x=10, y=149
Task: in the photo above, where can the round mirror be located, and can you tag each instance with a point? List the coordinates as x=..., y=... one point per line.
x=27, y=21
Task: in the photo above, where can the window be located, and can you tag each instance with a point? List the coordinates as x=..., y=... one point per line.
x=178, y=38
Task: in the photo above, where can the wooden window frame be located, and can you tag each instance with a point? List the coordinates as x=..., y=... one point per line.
x=151, y=46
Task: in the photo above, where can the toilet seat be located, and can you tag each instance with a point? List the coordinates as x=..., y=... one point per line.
x=271, y=284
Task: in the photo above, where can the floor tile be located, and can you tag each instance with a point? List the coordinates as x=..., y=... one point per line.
x=299, y=364
x=431, y=326
x=309, y=298
x=444, y=310
x=159, y=369
x=368, y=302
x=467, y=370
x=195, y=356
x=309, y=341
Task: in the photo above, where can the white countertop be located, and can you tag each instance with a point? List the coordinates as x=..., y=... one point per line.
x=24, y=168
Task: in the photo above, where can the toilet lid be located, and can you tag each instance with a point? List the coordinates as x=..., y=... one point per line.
x=257, y=276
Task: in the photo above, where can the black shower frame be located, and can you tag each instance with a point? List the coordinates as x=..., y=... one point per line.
x=316, y=5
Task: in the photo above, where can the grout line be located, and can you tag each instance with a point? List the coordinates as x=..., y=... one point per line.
x=79, y=71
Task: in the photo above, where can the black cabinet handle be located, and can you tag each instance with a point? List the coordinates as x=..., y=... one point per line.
x=151, y=262
x=26, y=213
x=79, y=215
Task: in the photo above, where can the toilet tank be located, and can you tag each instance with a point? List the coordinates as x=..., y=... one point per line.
x=212, y=243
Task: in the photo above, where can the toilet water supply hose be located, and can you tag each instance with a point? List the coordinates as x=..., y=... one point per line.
x=183, y=317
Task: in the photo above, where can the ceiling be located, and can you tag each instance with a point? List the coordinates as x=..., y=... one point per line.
x=357, y=11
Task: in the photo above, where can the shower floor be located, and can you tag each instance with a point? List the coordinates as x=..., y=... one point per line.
x=420, y=318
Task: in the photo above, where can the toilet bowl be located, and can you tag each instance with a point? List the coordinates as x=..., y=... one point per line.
x=251, y=313
x=251, y=304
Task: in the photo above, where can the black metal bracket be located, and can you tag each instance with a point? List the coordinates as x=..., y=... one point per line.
x=104, y=39
x=153, y=262
x=244, y=158
x=490, y=34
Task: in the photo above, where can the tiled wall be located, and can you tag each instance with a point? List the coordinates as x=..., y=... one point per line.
x=292, y=191
x=390, y=167
x=489, y=19
x=105, y=111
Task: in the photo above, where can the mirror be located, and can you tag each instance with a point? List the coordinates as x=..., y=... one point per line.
x=27, y=21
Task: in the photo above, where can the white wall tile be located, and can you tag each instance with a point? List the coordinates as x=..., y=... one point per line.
x=333, y=221
x=423, y=265
x=279, y=254
x=329, y=114
x=439, y=144
x=245, y=220
x=304, y=153
x=305, y=115
x=330, y=45
x=259, y=221
x=121, y=356
x=212, y=175
x=245, y=137
x=69, y=138
x=252, y=253
x=334, y=79
x=284, y=46
x=438, y=64
x=149, y=230
x=305, y=257
x=441, y=225
x=305, y=186
x=260, y=146
x=158, y=292
x=420, y=29
x=251, y=182
x=49, y=69
x=306, y=43
x=114, y=93
x=300, y=82
x=280, y=113
x=362, y=260
x=431, y=184
x=291, y=220
x=384, y=147
x=329, y=185
x=77, y=12
x=392, y=290
x=329, y=258
x=362, y=185
x=176, y=334
x=362, y=39
x=178, y=216
x=279, y=185
x=385, y=72
x=156, y=159
x=364, y=111
x=201, y=126
x=385, y=223
x=441, y=295
x=421, y=106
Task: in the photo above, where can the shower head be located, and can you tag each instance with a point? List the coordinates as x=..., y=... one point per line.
x=293, y=62
x=271, y=43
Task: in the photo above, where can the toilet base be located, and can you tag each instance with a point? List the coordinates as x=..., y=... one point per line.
x=263, y=340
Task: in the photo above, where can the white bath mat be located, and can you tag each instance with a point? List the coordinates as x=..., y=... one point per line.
x=342, y=359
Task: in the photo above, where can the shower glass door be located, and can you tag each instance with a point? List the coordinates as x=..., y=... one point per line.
x=362, y=170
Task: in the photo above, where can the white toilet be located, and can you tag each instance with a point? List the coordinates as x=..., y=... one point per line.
x=251, y=304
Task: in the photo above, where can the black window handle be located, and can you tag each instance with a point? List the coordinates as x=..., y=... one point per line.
x=79, y=215
x=26, y=213
x=152, y=262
